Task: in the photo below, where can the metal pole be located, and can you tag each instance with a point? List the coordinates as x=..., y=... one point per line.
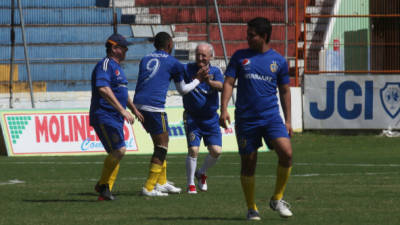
x=221, y=33
x=12, y=38
x=286, y=28
x=208, y=21
x=28, y=69
x=297, y=44
x=114, y=17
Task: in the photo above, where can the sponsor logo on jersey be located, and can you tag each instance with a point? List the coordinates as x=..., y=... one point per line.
x=245, y=62
x=273, y=67
x=117, y=72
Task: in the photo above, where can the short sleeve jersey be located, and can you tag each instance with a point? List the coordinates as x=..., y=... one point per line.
x=258, y=75
x=108, y=73
x=203, y=100
x=155, y=73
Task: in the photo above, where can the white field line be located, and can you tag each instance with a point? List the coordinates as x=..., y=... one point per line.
x=133, y=178
x=220, y=163
x=15, y=181
x=272, y=176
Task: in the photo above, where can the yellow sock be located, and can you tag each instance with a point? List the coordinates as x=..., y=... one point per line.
x=162, y=179
x=282, y=176
x=110, y=170
x=154, y=173
x=248, y=186
x=113, y=176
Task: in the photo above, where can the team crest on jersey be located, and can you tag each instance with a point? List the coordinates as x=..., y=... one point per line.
x=273, y=67
x=117, y=72
x=390, y=98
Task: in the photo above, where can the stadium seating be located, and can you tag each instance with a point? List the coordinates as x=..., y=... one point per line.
x=65, y=40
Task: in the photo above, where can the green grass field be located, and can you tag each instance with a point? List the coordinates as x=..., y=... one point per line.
x=336, y=179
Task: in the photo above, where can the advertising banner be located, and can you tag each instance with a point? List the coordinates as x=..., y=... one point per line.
x=351, y=102
x=67, y=132
x=54, y=132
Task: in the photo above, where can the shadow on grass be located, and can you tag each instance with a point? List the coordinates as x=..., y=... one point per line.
x=56, y=200
x=116, y=194
x=195, y=218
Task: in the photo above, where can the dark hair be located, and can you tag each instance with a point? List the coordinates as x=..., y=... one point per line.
x=262, y=26
x=161, y=40
x=108, y=48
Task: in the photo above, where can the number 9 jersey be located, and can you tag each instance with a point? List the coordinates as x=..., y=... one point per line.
x=155, y=73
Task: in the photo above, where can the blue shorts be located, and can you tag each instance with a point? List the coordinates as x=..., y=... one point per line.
x=111, y=137
x=207, y=128
x=155, y=122
x=249, y=133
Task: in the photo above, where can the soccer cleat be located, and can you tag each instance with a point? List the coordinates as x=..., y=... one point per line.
x=253, y=215
x=105, y=193
x=168, y=188
x=153, y=193
x=282, y=207
x=97, y=187
x=201, y=181
x=192, y=189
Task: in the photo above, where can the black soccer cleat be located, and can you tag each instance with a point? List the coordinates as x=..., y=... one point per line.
x=105, y=193
x=97, y=187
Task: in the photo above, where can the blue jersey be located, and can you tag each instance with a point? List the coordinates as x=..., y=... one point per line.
x=108, y=73
x=258, y=76
x=155, y=73
x=203, y=101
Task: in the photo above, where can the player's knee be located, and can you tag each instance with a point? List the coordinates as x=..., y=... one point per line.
x=119, y=153
x=160, y=152
x=193, y=152
x=215, y=152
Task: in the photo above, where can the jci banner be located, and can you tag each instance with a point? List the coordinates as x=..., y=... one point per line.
x=352, y=102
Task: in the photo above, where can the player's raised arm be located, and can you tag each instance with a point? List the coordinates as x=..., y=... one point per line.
x=226, y=95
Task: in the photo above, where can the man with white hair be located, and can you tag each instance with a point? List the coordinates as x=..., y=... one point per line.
x=200, y=117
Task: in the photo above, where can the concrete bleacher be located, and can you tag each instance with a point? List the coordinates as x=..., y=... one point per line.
x=65, y=39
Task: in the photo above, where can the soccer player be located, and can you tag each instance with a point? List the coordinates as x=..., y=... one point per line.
x=155, y=72
x=108, y=110
x=259, y=71
x=201, y=118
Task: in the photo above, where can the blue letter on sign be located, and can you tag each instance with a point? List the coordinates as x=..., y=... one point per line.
x=330, y=104
x=369, y=96
x=343, y=88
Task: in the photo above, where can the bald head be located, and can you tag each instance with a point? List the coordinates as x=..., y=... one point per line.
x=204, y=53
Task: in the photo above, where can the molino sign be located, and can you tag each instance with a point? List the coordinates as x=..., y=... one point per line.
x=52, y=132
x=351, y=102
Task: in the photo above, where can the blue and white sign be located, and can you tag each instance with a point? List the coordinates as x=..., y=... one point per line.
x=351, y=102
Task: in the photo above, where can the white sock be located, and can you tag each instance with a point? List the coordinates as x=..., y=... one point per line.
x=209, y=161
x=191, y=164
